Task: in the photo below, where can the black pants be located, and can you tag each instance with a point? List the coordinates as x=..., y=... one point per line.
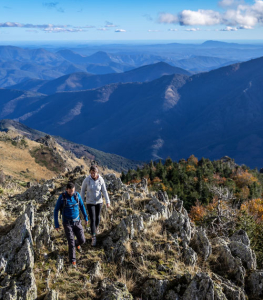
x=71, y=229
x=94, y=216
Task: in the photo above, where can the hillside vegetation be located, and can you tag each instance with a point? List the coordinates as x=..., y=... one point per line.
x=202, y=183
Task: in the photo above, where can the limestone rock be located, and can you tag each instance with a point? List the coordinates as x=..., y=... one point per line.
x=218, y=292
x=245, y=253
x=126, y=196
x=255, y=284
x=233, y=292
x=154, y=289
x=200, y=288
x=95, y=272
x=189, y=255
x=39, y=193
x=171, y=295
x=114, y=291
x=180, y=223
x=52, y=295
x=17, y=260
x=157, y=209
x=241, y=236
x=201, y=244
x=112, y=182
x=226, y=263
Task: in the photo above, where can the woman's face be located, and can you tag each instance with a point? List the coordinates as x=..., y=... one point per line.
x=94, y=174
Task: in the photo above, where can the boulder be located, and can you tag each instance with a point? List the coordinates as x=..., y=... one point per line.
x=154, y=289
x=200, y=288
x=179, y=223
x=255, y=285
x=241, y=236
x=226, y=263
x=201, y=244
x=189, y=255
x=114, y=291
x=245, y=253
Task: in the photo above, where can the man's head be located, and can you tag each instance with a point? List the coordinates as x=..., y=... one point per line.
x=94, y=171
x=70, y=188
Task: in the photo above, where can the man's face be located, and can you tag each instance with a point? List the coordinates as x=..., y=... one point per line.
x=71, y=191
x=93, y=174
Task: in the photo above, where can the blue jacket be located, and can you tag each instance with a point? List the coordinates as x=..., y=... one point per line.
x=71, y=211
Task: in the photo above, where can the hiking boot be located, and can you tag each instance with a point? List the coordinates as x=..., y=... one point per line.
x=93, y=241
x=74, y=264
x=79, y=249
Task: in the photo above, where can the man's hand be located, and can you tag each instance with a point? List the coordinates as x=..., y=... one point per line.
x=57, y=229
x=86, y=223
x=108, y=205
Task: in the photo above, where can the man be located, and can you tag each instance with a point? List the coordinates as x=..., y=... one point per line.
x=70, y=202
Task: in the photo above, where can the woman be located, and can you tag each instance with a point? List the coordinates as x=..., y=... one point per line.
x=94, y=185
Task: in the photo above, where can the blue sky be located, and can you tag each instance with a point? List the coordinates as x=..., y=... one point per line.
x=85, y=20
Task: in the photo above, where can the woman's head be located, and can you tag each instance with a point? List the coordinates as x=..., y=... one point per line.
x=94, y=171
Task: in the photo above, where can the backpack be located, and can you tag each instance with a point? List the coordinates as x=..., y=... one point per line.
x=64, y=199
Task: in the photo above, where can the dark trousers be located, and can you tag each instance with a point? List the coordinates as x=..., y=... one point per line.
x=94, y=216
x=73, y=229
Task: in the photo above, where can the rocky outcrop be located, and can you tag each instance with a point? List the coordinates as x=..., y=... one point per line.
x=226, y=263
x=114, y=291
x=247, y=256
x=154, y=289
x=40, y=193
x=113, y=183
x=255, y=285
x=200, y=288
x=17, y=261
x=179, y=223
x=201, y=244
x=189, y=255
x=240, y=236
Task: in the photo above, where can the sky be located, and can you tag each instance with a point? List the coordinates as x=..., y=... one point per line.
x=141, y=20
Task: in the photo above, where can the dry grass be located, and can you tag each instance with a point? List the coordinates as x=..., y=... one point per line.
x=15, y=161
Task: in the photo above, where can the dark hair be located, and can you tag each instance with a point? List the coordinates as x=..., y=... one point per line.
x=94, y=168
x=70, y=185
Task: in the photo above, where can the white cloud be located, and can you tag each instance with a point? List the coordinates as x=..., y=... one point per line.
x=244, y=27
x=192, y=29
x=172, y=29
x=88, y=26
x=153, y=30
x=15, y=24
x=229, y=28
x=102, y=29
x=236, y=13
x=120, y=30
x=200, y=17
x=59, y=29
x=47, y=27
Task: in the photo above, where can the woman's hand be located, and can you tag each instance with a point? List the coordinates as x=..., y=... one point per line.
x=108, y=205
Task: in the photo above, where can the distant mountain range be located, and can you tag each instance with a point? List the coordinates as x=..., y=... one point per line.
x=18, y=65
x=209, y=114
x=85, y=81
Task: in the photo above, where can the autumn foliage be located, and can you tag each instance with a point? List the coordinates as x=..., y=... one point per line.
x=254, y=208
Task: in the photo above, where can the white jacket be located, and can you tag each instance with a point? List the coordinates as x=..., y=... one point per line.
x=94, y=189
